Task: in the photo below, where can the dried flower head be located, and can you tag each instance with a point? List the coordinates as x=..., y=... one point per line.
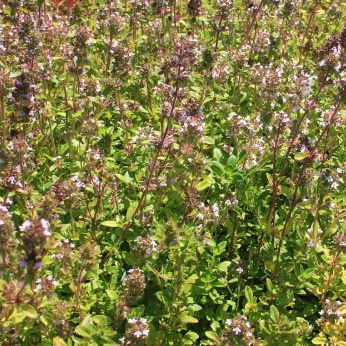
x=12, y=293
x=194, y=8
x=134, y=285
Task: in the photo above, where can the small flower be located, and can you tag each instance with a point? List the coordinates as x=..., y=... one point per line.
x=136, y=333
x=144, y=246
x=237, y=331
x=34, y=240
x=340, y=241
x=25, y=225
x=215, y=209
x=45, y=285
x=331, y=311
x=239, y=270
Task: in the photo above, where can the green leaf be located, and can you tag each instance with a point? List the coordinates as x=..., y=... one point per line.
x=46, y=343
x=243, y=98
x=87, y=321
x=51, y=159
x=223, y=266
x=44, y=320
x=161, y=297
x=83, y=331
x=185, y=318
x=269, y=285
x=110, y=223
x=59, y=342
x=211, y=335
x=156, y=338
x=232, y=161
x=192, y=279
x=301, y=156
x=208, y=140
x=237, y=177
x=112, y=295
x=86, y=331
x=15, y=318
x=205, y=183
x=102, y=320
x=220, y=248
x=217, y=154
x=190, y=338
x=274, y=314
x=270, y=179
x=248, y=294
x=286, y=191
x=29, y=311
x=195, y=307
x=125, y=178
x=319, y=340
x=132, y=208
x=217, y=168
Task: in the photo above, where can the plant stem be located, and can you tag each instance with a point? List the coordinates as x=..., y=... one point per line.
x=297, y=184
x=3, y=121
x=249, y=28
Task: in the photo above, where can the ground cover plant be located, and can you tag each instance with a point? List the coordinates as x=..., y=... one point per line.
x=172, y=172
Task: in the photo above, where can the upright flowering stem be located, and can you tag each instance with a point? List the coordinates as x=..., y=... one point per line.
x=219, y=30
x=322, y=164
x=251, y=24
x=297, y=185
x=331, y=274
x=154, y=164
x=302, y=118
x=289, y=215
x=134, y=25
x=109, y=53
x=232, y=229
x=224, y=7
x=307, y=29
x=77, y=290
x=100, y=191
x=177, y=68
x=274, y=187
x=174, y=14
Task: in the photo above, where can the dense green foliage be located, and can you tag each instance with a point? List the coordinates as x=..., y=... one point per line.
x=172, y=172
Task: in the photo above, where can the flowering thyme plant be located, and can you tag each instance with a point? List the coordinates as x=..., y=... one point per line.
x=172, y=172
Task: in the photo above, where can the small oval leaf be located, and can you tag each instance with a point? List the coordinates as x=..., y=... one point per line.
x=248, y=294
x=211, y=335
x=110, y=223
x=274, y=314
x=29, y=311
